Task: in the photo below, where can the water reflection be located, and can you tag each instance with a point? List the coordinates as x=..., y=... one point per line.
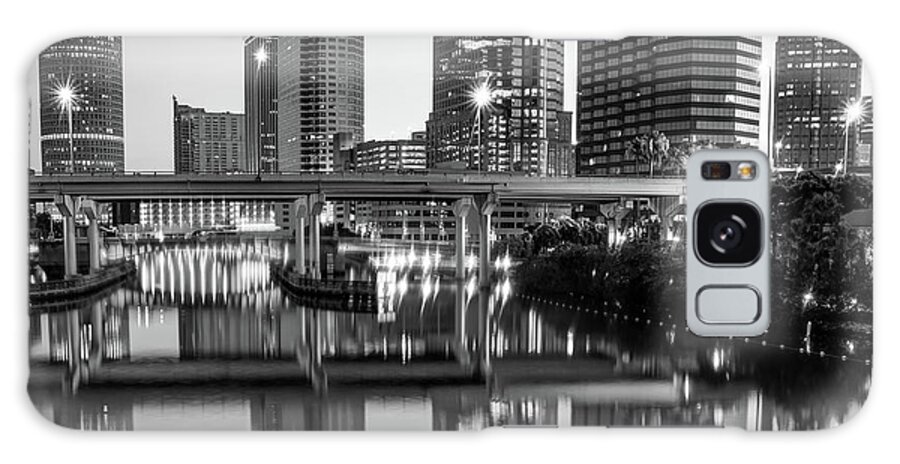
x=201, y=338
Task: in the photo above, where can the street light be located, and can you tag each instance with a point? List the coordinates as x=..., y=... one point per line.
x=261, y=56
x=65, y=96
x=853, y=111
x=480, y=97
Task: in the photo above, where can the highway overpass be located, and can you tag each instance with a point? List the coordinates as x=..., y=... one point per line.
x=348, y=186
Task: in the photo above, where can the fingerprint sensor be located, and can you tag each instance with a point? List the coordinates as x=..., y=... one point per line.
x=722, y=304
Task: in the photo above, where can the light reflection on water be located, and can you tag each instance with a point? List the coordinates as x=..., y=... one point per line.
x=202, y=338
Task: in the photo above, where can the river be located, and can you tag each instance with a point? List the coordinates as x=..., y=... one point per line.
x=202, y=338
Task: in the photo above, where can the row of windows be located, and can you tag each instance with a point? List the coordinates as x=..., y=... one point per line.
x=728, y=126
x=707, y=85
x=708, y=58
x=709, y=44
x=707, y=71
x=705, y=111
x=707, y=98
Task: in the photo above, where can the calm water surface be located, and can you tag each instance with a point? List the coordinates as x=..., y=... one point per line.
x=202, y=338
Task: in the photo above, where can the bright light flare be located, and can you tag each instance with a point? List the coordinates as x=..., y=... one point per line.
x=853, y=111
x=261, y=56
x=481, y=95
x=65, y=94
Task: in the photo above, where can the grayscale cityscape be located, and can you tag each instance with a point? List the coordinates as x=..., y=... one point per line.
x=438, y=233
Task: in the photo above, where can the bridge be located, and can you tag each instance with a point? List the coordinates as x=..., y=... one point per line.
x=347, y=186
x=474, y=196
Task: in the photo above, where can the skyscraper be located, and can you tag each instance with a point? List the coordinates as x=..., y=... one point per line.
x=561, y=155
x=82, y=106
x=693, y=90
x=519, y=81
x=261, y=104
x=816, y=79
x=206, y=142
x=320, y=93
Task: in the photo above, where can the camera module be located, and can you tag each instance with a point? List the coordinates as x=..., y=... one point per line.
x=728, y=233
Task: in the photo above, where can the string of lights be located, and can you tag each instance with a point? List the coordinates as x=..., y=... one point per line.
x=648, y=321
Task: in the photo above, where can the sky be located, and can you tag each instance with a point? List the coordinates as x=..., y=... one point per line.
x=208, y=72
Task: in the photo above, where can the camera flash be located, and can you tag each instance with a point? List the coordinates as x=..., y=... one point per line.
x=746, y=171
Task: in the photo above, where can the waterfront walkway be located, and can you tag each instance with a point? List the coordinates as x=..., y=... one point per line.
x=79, y=285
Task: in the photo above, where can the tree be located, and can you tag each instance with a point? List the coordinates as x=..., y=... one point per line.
x=658, y=152
x=823, y=266
x=650, y=148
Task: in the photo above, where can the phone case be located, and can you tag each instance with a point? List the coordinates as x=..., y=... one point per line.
x=439, y=233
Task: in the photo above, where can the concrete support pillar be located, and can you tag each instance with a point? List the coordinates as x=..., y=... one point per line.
x=67, y=206
x=316, y=206
x=301, y=211
x=70, y=246
x=92, y=211
x=461, y=209
x=486, y=208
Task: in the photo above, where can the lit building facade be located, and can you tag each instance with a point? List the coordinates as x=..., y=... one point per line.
x=320, y=93
x=694, y=90
x=261, y=104
x=391, y=155
x=815, y=81
x=524, y=78
x=206, y=142
x=89, y=69
x=187, y=215
x=561, y=153
x=434, y=221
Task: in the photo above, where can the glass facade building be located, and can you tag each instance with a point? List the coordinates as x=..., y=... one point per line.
x=693, y=90
x=87, y=70
x=207, y=142
x=261, y=104
x=518, y=122
x=815, y=81
x=320, y=93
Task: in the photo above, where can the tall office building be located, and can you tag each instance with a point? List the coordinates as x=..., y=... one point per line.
x=561, y=153
x=522, y=82
x=815, y=81
x=82, y=78
x=206, y=142
x=693, y=90
x=320, y=93
x=261, y=104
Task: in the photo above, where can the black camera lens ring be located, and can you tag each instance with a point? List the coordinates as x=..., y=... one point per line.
x=743, y=244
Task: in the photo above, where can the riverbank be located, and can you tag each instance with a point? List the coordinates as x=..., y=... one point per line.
x=81, y=285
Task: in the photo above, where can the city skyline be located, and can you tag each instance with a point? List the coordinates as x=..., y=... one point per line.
x=163, y=67
x=209, y=72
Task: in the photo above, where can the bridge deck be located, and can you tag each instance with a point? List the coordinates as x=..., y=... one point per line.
x=349, y=186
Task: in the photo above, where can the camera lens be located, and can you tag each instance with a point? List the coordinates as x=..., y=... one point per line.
x=728, y=233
